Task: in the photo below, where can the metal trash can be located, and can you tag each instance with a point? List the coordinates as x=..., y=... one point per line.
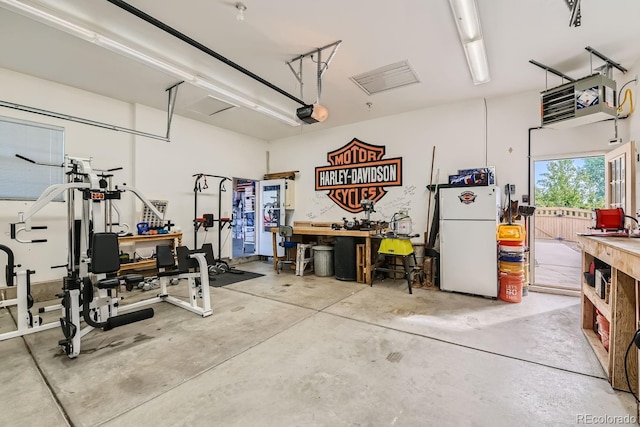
x=345, y=258
x=323, y=260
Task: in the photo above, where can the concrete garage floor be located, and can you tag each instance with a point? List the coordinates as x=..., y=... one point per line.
x=282, y=350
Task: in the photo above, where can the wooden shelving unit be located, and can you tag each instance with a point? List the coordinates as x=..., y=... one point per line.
x=623, y=256
x=175, y=240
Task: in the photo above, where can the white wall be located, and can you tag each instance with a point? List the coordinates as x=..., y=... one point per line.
x=160, y=170
x=458, y=133
x=165, y=170
x=411, y=136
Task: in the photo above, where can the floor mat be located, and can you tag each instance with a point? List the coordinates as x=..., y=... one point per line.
x=227, y=278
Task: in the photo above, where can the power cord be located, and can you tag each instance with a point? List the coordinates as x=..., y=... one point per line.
x=636, y=341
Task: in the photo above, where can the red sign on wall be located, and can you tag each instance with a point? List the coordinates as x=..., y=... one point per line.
x=357, y=171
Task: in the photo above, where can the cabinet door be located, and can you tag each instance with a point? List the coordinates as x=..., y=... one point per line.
x=620, y=178
x=271, y=214
x=289, y=194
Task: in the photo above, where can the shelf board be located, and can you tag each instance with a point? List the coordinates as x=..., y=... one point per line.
x=142, y=265
x=601, y=353
x=598, y=302
x=149, y=237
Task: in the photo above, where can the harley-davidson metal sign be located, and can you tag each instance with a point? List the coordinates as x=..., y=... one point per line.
x=357, y=171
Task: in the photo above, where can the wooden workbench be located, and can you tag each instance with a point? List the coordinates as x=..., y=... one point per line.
x=621, y=309
x=328, y=231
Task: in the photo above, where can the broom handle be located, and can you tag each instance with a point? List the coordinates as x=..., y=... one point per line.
x=426, y=234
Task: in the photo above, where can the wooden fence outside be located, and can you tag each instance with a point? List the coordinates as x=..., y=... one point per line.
x=561, y=223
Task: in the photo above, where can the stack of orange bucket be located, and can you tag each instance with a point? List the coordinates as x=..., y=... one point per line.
x=511, y=238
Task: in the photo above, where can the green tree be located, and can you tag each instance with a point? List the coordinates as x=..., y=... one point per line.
x=592, y=179
x=566, y=185
x=559, y=185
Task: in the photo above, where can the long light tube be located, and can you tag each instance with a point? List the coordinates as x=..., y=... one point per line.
x=477, y=60
x=47, y=18
x=228, y=96
x=232, y=98
x=117, y=47
x=465, y=13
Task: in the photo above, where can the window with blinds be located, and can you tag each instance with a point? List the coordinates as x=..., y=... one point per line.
x=43, y=144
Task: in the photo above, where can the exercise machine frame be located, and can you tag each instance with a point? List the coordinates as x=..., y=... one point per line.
x=78, y=302
x=26, y=322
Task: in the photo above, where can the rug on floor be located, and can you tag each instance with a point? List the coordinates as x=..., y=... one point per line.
x=227, y=278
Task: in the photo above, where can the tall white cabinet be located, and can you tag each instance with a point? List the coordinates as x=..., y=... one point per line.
x=275, y=197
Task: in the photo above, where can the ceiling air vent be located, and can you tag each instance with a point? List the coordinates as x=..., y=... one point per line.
x=590, y=99
x=387, y=77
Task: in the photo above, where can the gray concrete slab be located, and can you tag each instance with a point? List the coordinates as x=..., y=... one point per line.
x=543, y=328
x=123, y=368
x=332, y=371
x=308, y=291
x=25, y=399
x=284, y=350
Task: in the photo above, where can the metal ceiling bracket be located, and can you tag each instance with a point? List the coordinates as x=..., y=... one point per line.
x=321, y=66
x=80, y=120
x=298, y=76
x=552, y=71
x=173, y=93
x=609, y=63
x=171, y=104
x=576, y=17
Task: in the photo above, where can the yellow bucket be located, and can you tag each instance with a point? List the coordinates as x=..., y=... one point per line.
x=510, y=232
x=512, y=267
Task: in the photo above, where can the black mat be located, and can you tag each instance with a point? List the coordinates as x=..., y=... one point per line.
x=227, y=278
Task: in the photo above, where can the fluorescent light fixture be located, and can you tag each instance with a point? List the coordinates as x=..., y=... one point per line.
x=477, y=60
x=230, y=97
x=117, y=47
x=234, y=99
x=49, y=19
x=465, y=13
x=277, y=115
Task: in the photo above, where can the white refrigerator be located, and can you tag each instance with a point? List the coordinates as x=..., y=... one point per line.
x=468, y=249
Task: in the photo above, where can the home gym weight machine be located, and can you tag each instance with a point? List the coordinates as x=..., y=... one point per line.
x=93, y=258
x=26, y=322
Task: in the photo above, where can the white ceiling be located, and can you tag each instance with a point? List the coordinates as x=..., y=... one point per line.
x=374, y=33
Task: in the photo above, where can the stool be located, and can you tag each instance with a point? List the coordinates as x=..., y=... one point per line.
x=399, y=248
x=285, y=231
x=301, y=258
